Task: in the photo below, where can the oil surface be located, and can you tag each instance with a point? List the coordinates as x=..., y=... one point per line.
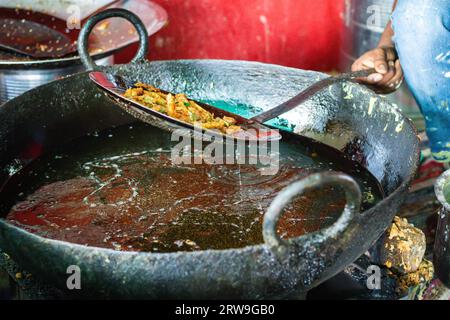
x=119, y=189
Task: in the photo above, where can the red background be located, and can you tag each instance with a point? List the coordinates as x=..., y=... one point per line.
x=298, y=33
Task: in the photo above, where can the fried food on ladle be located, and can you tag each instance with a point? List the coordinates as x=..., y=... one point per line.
x=180, y=107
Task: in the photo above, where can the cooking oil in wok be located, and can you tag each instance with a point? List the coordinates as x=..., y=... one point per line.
x=119, y=189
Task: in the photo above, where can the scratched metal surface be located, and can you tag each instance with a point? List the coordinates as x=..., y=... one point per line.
x=347, y=117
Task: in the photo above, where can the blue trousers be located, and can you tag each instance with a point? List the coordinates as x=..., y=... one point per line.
x=422, y=39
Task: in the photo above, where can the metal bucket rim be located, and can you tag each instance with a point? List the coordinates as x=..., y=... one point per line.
x=52, y=63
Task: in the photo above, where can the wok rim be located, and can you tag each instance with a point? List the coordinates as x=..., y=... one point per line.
x=404, y=185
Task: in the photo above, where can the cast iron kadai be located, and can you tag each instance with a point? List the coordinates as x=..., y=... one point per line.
x=37, y=40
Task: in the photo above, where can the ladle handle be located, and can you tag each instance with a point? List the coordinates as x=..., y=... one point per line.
x=315, y=181
x=308, y=93
x=83, y=37
x=355, y=74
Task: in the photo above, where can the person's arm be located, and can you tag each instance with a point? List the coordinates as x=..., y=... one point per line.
x=388, y=34
x=385, y=61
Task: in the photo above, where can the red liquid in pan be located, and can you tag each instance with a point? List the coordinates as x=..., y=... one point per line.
x=120, y=190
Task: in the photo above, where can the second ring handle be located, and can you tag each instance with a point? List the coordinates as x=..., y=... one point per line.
x=352, y=208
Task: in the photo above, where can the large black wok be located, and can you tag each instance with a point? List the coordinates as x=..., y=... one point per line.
x=346, y=116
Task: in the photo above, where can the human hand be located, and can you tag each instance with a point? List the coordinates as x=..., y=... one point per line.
x=389, y=75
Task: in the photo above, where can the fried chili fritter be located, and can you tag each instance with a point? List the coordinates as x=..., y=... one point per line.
x=180, y=107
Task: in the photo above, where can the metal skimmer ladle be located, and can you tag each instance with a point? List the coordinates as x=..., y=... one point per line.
x=253, y=129
x=307, y=94
x=117, y=85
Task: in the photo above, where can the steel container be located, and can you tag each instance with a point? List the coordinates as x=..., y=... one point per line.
x=442, y=240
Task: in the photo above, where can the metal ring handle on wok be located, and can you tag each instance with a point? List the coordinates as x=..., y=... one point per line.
x=351, y=211
x=83, y=37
